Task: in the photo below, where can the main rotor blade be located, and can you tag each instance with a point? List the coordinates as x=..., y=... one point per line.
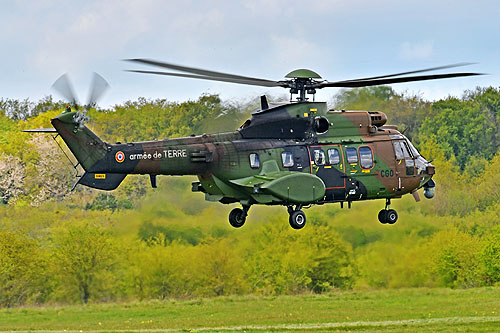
x=97, y=89
x=414, y=72
x=197, y=71
x=366, y=83
x=262, y=83
x=63, y=86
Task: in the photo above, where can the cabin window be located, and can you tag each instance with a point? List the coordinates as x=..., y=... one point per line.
x=254, y=161
x=319, y=157
x=401, y=150
x=333, y=156
x=287, y=159
x=365, y=157
x=352, y=155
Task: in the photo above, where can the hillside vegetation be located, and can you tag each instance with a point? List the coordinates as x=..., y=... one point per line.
x=138, y=243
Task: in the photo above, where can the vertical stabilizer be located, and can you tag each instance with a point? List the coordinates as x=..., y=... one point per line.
x=83, y=143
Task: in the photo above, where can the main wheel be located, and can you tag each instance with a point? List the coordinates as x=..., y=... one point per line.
x=297, y=219
x=382, y=216
x=391, y=216
x=237, y=217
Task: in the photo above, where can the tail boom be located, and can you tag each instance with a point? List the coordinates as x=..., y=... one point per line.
x=106, y=165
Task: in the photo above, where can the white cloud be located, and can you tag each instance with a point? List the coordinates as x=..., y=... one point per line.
x=416, y=51
x=97, y=30
x=291, y=51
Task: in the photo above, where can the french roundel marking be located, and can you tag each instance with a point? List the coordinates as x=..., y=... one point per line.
x=120, y=157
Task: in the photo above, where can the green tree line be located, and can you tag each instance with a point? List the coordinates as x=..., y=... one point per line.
x=136, y=242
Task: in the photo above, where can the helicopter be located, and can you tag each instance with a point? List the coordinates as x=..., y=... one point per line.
x=295, y=154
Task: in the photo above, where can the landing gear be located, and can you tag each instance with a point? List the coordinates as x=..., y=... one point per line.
x=381, y=216
x=238, y=216
x=387, y=215
x=297, y=217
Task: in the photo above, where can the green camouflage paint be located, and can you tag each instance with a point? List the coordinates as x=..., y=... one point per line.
x=222, y=161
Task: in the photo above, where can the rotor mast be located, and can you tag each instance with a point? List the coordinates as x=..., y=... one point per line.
x=302, y=82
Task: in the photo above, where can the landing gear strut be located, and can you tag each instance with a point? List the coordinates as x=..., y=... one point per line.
x=297, y=217
x=238, y=216
x=387, y=215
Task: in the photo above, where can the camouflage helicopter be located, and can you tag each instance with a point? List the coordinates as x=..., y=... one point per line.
x=296, y=154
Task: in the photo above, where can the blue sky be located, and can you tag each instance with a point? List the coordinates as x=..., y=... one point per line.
x=42, y=39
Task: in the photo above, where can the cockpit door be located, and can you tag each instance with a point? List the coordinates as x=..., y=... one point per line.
x=405, y=162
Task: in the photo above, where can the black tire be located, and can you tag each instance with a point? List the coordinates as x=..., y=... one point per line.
x=297, y=219
x=382, y=216
x=391, y=216
x=237, y=217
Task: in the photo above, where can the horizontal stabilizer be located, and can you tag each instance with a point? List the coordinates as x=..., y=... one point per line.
x=101, y=181
x=41, y=130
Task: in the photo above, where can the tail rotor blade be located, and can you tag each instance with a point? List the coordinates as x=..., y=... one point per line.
x=65, y=89
x=97, y=88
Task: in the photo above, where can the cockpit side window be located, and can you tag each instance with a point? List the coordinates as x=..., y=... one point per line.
x=401, y=149
x=398, y=150
x=287, y=159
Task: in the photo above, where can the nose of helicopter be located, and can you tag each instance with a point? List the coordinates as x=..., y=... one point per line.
x=424, y=167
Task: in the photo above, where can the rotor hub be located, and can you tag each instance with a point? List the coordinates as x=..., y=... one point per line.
x=303, y=74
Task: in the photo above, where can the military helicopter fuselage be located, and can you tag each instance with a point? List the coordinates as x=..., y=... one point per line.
x=295, y=155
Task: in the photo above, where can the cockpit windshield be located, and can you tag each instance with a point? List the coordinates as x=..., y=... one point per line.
x=414, y=150
x=420, y=162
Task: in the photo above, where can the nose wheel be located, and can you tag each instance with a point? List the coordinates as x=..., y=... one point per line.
x=297, y=217
x=388, y=215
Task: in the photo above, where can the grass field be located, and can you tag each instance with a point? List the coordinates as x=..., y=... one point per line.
x=385, y=310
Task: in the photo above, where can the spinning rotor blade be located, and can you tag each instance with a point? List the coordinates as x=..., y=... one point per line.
x=415, y=72
x=263, y=83
x=208, y=75
x=63, y=86
x=302, y=84
x=375, y=82
x=97, y=89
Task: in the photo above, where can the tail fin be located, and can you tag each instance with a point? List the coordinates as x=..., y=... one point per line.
x=83, y=143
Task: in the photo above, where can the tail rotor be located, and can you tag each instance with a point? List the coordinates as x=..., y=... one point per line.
x=64, y=87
